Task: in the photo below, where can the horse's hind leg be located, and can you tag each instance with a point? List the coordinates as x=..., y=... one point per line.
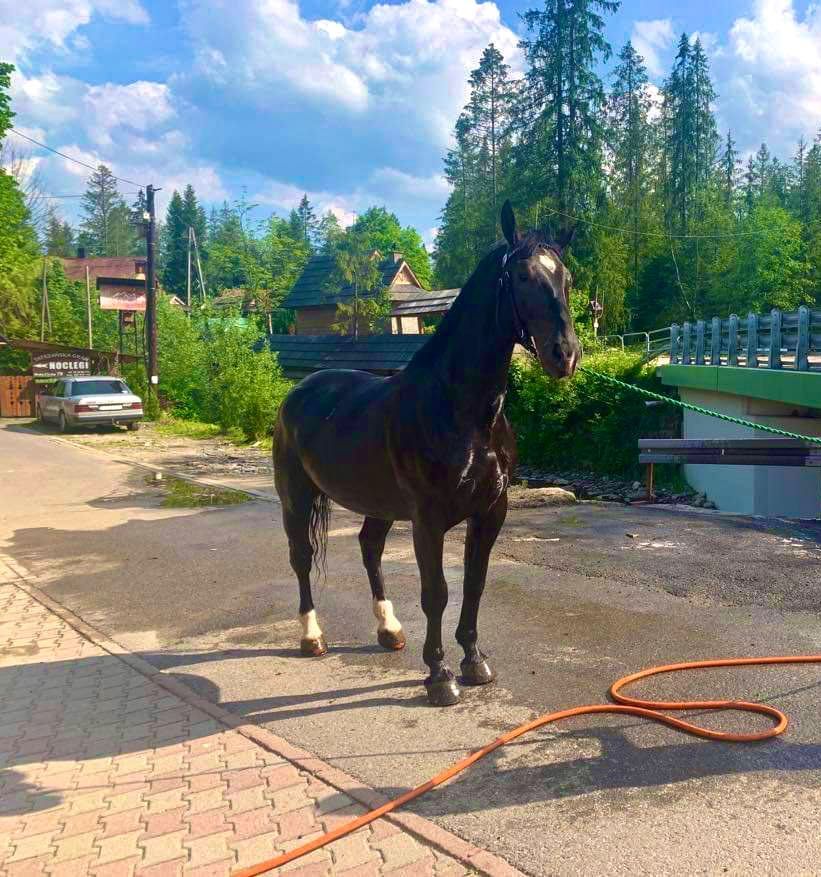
x=300, y=499
x=372, y=542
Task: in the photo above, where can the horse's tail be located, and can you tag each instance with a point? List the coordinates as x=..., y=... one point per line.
x=318, y=530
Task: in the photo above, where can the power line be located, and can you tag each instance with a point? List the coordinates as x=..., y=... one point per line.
x=658, y=234
x=80, y=195
x=71, y=158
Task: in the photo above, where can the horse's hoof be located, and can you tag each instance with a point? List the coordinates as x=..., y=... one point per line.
x=444, y=691
x=313, y=648
x=393, y=641
x=476, y=672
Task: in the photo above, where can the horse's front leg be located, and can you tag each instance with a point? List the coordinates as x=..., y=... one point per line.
x=428, y=542
x=481, y=536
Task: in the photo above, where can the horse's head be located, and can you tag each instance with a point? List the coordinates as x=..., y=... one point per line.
x=539, y=285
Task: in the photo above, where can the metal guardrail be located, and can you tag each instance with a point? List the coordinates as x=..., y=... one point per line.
x=776, y=340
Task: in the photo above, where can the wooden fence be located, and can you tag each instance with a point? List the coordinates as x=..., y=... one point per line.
x=776, y=340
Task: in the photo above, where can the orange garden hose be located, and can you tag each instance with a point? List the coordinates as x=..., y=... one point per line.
x=625, y=705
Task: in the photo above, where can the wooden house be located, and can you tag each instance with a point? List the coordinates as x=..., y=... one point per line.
x=315, y=296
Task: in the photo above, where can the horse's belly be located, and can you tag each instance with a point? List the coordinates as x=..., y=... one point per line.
x=364, y=483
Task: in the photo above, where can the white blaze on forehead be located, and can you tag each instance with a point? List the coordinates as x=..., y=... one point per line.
x=310, y=626
x=548, y=261
x=386, y=620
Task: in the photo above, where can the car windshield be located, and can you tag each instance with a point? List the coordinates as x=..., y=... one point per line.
x=99, y=388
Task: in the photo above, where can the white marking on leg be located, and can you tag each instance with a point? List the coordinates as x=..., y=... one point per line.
x=386, y=620
x=310, y=626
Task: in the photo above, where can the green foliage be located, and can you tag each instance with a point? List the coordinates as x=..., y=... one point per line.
x=244, y=388
x=59, y=237
x=378, y=229
x=6, y=113
x=107, y=227
x=370, y=315
x=18, y=241
x=585, y=424
x=357, y=266
x=184, y=212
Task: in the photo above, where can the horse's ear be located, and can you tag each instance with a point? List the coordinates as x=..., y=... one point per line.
x=509, y=224
x=565, y=237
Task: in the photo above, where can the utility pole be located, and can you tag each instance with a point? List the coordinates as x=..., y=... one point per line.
x=151, y=292
x=88, y=307
x=188, y=280
x=199, y=266
x=45, y=312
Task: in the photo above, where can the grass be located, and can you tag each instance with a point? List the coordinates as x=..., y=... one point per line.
x=180, y=494
x=193, y=429
x=168, y=425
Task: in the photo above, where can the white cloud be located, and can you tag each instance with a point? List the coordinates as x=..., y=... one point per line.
x=140, y=106
x=51, y=23
x=772, y=82
x=403, y=62
x=651, y=39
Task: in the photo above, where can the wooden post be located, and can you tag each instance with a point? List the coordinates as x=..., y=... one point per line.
x=151, y=294
x=774, y=359
x=715, y=342
x=650, y=492
x=686, y=359
x=700, y=342
x=674, y=351
x=88, y=308
x=732, y=340
x=43, y=305
x=802, y=348
x=188, y=276
x=752, y=341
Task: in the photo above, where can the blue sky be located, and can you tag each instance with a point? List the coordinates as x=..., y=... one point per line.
x=350, y=101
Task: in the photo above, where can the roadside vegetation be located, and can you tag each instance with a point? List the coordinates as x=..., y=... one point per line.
x=586, y=424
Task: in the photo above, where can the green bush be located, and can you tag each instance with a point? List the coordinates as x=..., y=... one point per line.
x=209, y=372
x=584, y=423
x=245, y=388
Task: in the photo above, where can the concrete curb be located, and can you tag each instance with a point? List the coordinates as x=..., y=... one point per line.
x=467, y=854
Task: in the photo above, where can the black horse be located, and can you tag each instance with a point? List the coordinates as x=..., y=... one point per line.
x=430, y=445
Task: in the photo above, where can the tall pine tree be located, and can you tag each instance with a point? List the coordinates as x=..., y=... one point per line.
x=562, y=101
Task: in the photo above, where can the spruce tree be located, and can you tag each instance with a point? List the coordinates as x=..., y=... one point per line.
x=630, y=137
x=729, y=170
x=59, y=239
x=175, y=247
x=561, y=109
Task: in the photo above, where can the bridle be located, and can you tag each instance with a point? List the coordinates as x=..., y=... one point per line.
x=523, y=337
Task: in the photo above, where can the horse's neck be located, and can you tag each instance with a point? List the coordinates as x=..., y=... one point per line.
x=474, y=359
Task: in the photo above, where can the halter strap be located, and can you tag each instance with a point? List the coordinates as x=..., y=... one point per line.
x=523, y=337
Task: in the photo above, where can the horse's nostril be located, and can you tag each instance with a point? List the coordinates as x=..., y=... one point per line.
x=558, y=351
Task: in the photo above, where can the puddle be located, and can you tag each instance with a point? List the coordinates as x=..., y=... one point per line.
x=180, y=494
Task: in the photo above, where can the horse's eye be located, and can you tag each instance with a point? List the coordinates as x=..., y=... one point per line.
x=523, y=276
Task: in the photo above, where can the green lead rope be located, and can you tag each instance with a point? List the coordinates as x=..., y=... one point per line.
x=814, y=439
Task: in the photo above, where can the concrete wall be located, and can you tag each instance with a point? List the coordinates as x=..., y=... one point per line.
x=776, y=491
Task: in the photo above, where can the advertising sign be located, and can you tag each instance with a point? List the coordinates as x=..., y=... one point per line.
x=59, y=365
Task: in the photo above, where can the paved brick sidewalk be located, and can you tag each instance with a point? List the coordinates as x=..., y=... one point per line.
x=103, y=771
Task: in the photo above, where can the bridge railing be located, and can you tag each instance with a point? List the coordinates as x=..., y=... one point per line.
x=776, y=340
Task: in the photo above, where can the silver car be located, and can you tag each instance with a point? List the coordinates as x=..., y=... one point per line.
x=91, y=401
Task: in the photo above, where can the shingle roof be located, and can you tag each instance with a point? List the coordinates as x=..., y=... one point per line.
x=383, y=354
x=101, y=266
x=315, y=287
x=412, y=305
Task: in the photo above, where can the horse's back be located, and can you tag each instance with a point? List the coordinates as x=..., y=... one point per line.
x=337, y=423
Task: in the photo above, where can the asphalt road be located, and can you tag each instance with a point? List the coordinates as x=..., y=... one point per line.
x=572, y=603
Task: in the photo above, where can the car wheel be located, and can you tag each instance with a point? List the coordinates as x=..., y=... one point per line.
x=62, y=423
x=134, y=425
